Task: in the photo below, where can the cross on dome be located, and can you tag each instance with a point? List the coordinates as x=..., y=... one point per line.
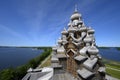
x=76, y=8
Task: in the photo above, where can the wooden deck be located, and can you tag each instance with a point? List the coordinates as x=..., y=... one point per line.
x=63, y=76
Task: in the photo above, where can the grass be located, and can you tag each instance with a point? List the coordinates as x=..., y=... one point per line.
x=116, y=66
x=112, y=68
x=113, y=73
x=47, y=62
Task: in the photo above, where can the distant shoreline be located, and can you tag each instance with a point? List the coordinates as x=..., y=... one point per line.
x=38, y=47
x=41, y=47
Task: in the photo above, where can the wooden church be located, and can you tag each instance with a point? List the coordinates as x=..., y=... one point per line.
x=76, y=56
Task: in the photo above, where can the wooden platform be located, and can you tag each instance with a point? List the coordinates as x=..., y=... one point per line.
x=63, y=76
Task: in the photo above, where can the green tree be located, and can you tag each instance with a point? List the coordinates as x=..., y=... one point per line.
x=7, y=74
x=32, y=63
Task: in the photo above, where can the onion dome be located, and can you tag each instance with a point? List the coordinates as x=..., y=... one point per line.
x=83, y=29
x=64, y=42
x=54, y=48
x=61, y=49
x=79, y=26
x=75, y=22
x=59, y=41
x=88, y=39
x=30, y=70
x=80, y=22
x=99, y=56
x=83, y=34
x=83, y=51
x=93, y=50
x=71, y=29
x=91, y=31
x=64, y=31
x=75, y=15
x=69, y=24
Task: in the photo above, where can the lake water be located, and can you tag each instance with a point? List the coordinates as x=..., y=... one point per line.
x=111, y=53
x=13, y=57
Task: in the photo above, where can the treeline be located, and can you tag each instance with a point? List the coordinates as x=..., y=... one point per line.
x=118, y=48
x=19, y=72
x=42, y=47
x=102, y=47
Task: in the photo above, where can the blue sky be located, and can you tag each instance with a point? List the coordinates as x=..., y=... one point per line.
x=40, y=22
